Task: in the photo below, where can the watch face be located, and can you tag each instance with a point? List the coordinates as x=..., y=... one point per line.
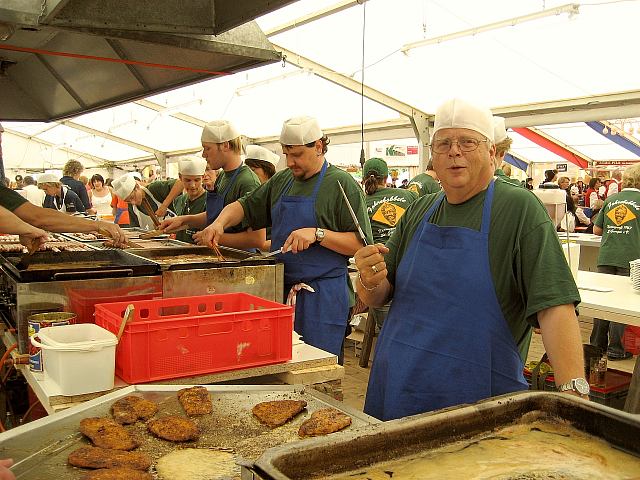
x=582, y=386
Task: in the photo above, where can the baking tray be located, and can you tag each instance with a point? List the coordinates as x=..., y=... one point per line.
x=40, y=448
x=197, y=257
x=143, y=244
x=409, y=436
x=47, y=266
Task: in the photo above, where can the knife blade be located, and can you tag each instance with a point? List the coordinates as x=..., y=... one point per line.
x=353, y=215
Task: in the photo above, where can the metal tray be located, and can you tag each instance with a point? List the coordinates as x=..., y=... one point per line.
x=79, y=238
x=46, y=266
x=40, y=448
x=409, y=436
x=156, y=243
x=200, y=257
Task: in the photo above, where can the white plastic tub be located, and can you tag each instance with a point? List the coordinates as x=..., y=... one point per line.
x=78, y=358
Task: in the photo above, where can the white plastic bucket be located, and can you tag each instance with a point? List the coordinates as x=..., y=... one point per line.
x=78, y=358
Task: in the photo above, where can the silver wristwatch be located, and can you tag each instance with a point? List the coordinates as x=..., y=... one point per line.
x=319, y=235
x=579, y=385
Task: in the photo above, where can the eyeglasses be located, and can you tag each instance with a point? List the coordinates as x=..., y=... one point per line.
x=466, y=144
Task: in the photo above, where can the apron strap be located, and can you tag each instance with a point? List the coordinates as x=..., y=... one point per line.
x=293, y=293
x=231, y=182
x=316, y=187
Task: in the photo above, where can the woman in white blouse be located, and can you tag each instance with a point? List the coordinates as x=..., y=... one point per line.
x=100, y=196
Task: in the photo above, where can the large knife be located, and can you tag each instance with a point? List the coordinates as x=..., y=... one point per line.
x=353, y=215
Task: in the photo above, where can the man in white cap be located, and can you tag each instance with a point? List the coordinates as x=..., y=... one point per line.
x=311, y=223
x=262, y=161
x=59, y=196
x=54, y=220
x=222, y=148
x=142, y=198
x=194, y=198
x=503, y=144
x=470, y=271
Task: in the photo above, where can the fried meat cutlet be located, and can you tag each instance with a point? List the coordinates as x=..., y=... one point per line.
x=106, y=433
x=195, y=401
x=132, y=408
x=174, y=428
x=278, y=412
x=323, y=422
x=96, y=457
x=117, y=474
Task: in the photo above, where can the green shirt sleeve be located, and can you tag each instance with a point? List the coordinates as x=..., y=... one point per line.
x=599, y=221
x=257, y=204
x=10, y=199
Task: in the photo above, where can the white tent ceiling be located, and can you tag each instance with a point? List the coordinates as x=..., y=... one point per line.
x=547, y=60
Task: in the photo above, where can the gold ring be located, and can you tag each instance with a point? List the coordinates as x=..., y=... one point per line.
x=374, y=268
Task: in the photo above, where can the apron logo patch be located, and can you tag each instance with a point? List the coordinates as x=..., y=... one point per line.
x=413, y=188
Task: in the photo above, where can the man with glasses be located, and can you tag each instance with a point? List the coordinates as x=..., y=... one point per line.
x=470, y=271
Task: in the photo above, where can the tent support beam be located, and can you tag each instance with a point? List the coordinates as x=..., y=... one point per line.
x=108, y=136
x=579, y=109
x=312, y=17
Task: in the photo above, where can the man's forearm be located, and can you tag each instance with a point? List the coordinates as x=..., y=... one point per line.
x=13, y=224
x=176, y=190
x=345, y=243
x=197, y=221
x=244, y=240
x=562, y=341
x=231, y=215
x=53, y=220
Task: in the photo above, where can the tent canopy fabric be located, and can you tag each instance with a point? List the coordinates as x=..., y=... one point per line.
x=476, y=67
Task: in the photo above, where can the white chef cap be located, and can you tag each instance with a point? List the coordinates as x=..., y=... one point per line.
x=219, y=131
x=192, y=166
x=300, y=131
x=457, y=113
x=136, y=175
x=48, y=178
x=256, y=152
x=499, y=129
x=124, y=185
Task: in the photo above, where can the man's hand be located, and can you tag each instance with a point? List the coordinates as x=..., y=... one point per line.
x=370, y=264
x=161, y=211
x=114, y=232
x=210, y=235
x=299, y=240
x=34, y=238
x=5, y=473
x=170, y=225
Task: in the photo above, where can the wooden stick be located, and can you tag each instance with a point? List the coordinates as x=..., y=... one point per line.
x=147, y=206
x=128, y=314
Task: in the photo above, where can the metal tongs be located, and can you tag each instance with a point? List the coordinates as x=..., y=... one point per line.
x=218, y=252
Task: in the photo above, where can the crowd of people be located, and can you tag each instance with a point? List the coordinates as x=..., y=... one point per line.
x=457, y=268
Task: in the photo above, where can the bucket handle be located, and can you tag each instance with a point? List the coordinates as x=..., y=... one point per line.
x=85, y=348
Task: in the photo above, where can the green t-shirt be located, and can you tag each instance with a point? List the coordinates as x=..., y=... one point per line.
x=423, y=184
x=245, y=182
x=385, y=207
x=502, y=176
x=183, y=206
x=10, y=199
x=331, y=210
x=529, y=270
x=619, y=220
x=160, y=190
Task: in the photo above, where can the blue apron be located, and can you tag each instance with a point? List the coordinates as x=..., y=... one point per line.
x=445, y=341
x=215, y=200
x=321, y=317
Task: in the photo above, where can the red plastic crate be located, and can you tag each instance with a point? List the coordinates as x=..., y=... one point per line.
x=82, y=301
x=177, y=337
x=631, y=340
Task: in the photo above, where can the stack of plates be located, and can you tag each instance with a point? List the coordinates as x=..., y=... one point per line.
x=635, y=273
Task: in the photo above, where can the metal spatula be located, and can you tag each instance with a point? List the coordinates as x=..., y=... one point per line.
x=25, y=260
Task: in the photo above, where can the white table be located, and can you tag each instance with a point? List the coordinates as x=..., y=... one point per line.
x=621, y=305
x=309, y=365
x=589, y=248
